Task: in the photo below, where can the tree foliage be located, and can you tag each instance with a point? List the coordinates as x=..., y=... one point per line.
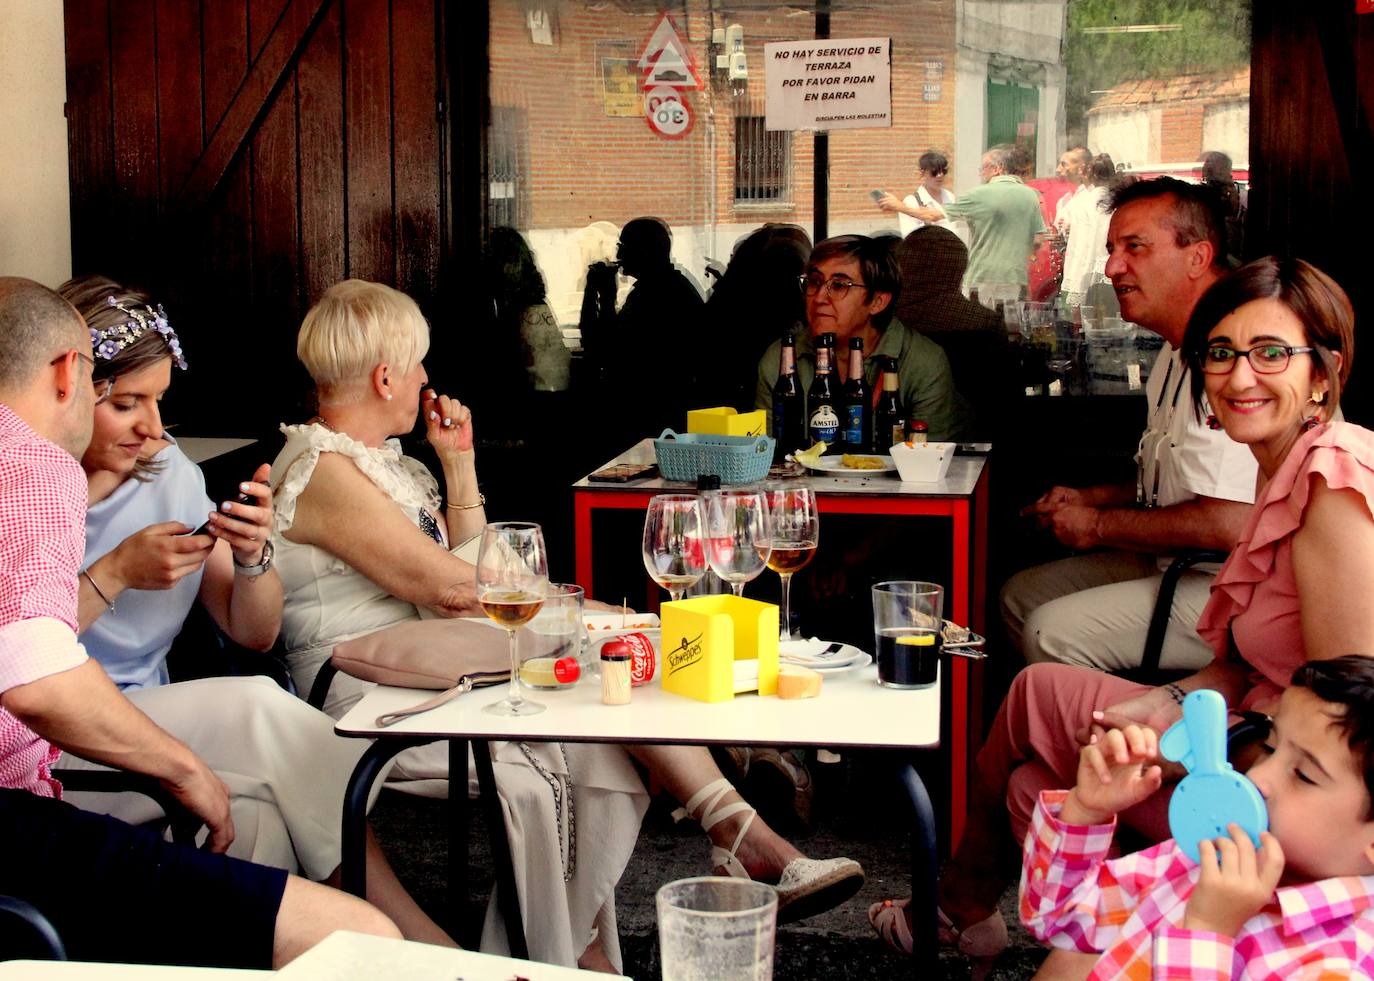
x=1214, y=37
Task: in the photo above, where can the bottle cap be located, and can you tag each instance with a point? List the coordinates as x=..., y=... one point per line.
x=566, y=670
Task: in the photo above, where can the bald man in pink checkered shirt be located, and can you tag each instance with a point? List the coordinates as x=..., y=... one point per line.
x=113, y=892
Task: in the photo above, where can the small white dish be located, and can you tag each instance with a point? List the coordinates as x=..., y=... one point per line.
x=811, y=654
x=923, y=463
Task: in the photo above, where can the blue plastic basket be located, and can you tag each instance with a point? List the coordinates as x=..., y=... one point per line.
x=734, y=459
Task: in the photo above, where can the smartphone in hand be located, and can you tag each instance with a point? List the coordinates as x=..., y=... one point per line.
x=877, y=194
x=240, y=498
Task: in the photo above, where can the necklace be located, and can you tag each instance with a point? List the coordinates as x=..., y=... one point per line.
x=556, y=785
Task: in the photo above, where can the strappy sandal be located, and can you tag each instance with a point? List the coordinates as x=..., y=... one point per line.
x=981, y=942
x=889, y=920
x=807, y=886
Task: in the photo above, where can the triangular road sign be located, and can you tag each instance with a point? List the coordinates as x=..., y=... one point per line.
x=665, y=35
x=670, y=68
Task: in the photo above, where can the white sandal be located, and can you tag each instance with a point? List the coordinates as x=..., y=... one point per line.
x=807, y=886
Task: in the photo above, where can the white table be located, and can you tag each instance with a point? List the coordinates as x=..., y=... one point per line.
x=962, y=497
x=345, y=956
x=853, y=711
x=90, y=971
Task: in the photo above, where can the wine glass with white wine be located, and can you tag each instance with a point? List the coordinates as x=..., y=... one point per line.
x=796, y=531
x=674, y=546
x=512, y=577
x=740, y=534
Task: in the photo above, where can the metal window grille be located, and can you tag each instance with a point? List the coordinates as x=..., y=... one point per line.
x=508, y=192
x=763, y=163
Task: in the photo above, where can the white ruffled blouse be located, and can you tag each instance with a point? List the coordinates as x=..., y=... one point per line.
x=325, y=599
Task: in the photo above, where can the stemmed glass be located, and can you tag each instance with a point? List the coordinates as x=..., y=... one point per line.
x=796, y=531
x=512, y=578
x=674, y=546
x=740, y=535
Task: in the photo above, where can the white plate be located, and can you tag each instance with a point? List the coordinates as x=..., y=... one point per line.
x=831, y=465
x=847, y=657
x=603, y=625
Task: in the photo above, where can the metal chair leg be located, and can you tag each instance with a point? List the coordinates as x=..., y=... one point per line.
x=507, y=893
x=459, y=826
x=38, y=923
x=924, y=868
x=365, y=773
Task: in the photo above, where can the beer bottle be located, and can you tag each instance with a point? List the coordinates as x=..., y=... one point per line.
x=789, y=405
x=823, y=421
x=887, y=417
x=857, y=419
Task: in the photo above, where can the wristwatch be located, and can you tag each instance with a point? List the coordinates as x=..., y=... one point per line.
x=264, y=563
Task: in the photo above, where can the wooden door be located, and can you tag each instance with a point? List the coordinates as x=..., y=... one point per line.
x=236, y=157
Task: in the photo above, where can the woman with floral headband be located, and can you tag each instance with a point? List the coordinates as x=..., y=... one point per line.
x=284, y=768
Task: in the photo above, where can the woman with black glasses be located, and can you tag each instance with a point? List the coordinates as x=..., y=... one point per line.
x=1271, y=347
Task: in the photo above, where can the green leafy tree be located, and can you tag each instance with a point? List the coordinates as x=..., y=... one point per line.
x=1213, y=36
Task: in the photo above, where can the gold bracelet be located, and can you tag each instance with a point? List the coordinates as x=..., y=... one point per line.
x=481, y=499
x=98, y=591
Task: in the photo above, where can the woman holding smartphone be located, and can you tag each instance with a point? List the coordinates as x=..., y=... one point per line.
x=284, y=768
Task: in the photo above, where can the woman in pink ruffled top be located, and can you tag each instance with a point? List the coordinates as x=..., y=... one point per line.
x=1268, y=349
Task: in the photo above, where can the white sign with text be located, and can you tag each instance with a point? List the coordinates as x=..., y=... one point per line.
x=844, y=84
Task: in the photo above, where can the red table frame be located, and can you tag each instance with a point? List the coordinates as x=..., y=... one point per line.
x=967, y=595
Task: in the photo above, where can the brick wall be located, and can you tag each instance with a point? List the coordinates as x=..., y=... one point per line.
x=586, y=166
x=1180, y=131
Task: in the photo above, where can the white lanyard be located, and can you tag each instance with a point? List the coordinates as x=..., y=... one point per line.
x=1152, y=444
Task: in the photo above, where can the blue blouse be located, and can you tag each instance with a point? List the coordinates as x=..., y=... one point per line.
x=132, y=642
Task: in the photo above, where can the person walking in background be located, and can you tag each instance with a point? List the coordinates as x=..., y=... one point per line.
x=1004, y=218
x=1085, y=221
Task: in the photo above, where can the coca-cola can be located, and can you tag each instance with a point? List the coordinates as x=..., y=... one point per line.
x=643, y=661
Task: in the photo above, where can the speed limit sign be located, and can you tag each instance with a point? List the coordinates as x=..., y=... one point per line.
x=667, y=112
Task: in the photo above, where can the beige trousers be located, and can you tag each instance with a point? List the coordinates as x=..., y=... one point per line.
x=1094, y=611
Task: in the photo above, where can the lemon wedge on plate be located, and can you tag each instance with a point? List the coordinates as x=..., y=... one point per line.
x=809, y=457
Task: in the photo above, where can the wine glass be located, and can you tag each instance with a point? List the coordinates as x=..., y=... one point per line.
x=796, y=530
x=512, y=577
x=739, y=535
x=674, y=547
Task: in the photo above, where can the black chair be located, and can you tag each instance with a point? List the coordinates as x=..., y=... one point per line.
x=49, y=944
x=1149, y=671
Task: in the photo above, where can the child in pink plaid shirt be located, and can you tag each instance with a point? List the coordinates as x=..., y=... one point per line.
x=1301, y=906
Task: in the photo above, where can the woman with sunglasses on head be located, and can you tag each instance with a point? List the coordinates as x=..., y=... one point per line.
x=1270, y=346
x=284, y=769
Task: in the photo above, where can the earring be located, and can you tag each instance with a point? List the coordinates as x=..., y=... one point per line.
x=1317, y=398
x=388, y=396
x=1213, y=423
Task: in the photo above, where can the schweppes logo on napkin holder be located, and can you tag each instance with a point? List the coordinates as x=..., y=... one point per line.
x=711, y=633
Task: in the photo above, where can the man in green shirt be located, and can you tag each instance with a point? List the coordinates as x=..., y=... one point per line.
x=850, y=284
x=1004, y=217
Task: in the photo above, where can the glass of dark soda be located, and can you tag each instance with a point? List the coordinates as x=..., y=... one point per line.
x=907, y=622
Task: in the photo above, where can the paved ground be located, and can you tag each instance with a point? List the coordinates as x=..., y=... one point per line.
x=839, y=944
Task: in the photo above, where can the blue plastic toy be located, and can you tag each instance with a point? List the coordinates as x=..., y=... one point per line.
x=1213, y=794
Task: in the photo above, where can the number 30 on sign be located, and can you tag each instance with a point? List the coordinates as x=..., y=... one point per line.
x=667, y=113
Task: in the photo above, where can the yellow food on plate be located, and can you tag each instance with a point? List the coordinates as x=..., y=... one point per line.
x=798, y=682
x=861, y=462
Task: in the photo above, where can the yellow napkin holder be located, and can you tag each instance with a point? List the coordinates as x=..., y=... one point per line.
x=704, y=636
x=725, y=421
